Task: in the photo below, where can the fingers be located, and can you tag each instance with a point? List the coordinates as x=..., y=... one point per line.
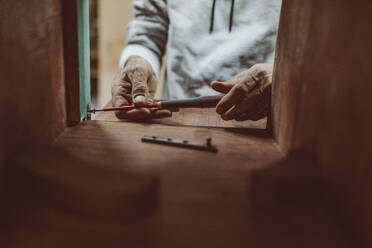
x=260, y=107
x=235, y=96
x=222, y=87
x=139, y=73
x=121, y=91
x=134, y=114
x=243, y=84
x=242, y=107
x=253, y=108
x=122, y=96
x=229, y=100
x=260, y=114
x=143, y=113
x=135, y=84
x=162, y=113
x=257, y=112
x=119, y=100
x=138, y=78
x=152, y=86
x=250, y=96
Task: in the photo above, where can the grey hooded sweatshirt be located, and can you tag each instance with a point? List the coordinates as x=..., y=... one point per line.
x=204, y=40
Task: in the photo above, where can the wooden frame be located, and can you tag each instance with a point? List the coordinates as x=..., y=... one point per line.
x=76, y=53
x=309, y=185
x=84, y=55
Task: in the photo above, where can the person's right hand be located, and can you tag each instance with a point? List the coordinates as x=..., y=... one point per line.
x=136, y=84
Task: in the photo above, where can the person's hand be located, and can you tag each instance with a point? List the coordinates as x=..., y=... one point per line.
x=136, y=84
x=247, y=94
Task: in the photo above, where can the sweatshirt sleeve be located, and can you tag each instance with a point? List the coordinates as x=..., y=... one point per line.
x=147, y=33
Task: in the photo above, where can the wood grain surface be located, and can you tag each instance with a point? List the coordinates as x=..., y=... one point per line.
x=247, y=194
x=322, y=100
x=71, y=59
x=98, y=185
x=206, y=117
x=32, y=96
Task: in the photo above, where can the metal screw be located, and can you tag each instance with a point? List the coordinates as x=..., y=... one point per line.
x=88, y=112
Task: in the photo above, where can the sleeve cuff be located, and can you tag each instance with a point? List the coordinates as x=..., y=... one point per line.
x=138, y=50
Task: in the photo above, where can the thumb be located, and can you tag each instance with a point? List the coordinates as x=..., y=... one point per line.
x=222, y=87
x=138, y=79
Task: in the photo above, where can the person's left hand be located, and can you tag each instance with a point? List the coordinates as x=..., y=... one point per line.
x=247, y=94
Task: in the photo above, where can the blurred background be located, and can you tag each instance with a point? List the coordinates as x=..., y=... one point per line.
x=108, y=31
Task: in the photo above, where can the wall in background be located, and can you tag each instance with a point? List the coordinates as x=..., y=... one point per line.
x=113, y=18
x=93, y=18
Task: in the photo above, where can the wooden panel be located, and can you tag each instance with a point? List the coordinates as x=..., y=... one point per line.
x=323, y=75
x=32, y=97
x=77, y=58
x=71, y=50
x=192, y=117
x=84, y=55
x=128, y=135
x=243, y=196
x=289, y=62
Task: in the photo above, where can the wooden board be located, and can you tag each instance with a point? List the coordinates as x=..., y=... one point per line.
x=249, y=194
x=243, y=196
x=84, y=55
x=193, y=117
x=321, y=102
x=32, y=97
x=71, y=60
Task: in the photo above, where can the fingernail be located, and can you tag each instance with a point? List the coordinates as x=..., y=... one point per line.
x=139, y=99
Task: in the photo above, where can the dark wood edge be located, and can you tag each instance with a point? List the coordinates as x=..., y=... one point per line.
x=274, y=113
x=71, y=60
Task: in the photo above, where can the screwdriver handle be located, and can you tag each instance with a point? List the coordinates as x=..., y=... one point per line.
x=197, y=102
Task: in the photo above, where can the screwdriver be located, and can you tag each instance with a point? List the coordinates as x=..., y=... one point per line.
x=196, y=102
